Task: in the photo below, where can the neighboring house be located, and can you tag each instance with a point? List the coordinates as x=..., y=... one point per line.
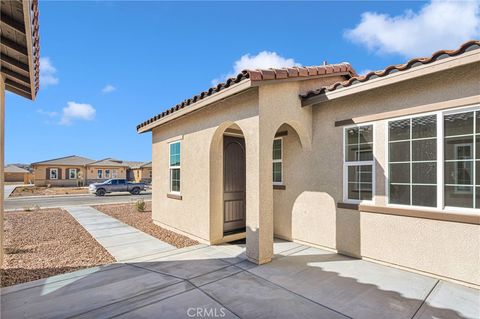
x=99, y=171
x=383, y=166
x=64, y=171
x=20, y=66
x=132, y=166
x=142, y=173
x=15, y=174
x=80, y=171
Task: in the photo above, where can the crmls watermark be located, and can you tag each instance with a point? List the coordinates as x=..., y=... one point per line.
x=203, y=312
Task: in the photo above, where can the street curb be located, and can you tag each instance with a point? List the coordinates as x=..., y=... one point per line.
x=62, y=206
x=56, y=196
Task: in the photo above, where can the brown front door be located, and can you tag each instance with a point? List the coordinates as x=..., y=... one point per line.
x=233, y=183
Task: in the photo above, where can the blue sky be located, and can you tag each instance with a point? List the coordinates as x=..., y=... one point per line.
x=107, y=66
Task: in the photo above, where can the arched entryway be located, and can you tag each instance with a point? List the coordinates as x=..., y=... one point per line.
x=288, y=155
x=228, y=183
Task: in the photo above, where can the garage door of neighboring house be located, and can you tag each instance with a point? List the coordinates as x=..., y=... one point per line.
x=234, y=176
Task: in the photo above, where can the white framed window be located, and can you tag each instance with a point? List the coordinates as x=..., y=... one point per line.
x=434, y=160
x=461, y=140
x=99, y=174
x=53, y=173
x=72, y=173
x=174, y=166
x=412, y=161
x=358, y=164
x=114, y=173
x=277, y=161
x=107, y=173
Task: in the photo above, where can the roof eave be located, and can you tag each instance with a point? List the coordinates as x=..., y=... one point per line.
x=437, y=66
x=28, y=33
x=265, y=82
x=225, y=93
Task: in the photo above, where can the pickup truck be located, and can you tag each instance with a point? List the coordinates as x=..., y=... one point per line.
x=116, y=185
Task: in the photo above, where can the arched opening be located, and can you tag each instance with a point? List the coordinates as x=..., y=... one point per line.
x=228, y=183
x=288, y=161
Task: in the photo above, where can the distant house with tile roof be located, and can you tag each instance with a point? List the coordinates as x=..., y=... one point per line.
x=76, y=170
x=15, y=174
x=142, y=172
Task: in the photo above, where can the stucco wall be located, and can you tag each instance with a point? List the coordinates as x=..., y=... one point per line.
x=40, y=175
x=15, y=177
x=444, y=248
x=191, y=214
x=92, y=176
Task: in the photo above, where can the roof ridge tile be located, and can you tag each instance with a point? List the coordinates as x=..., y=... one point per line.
x=467, y=46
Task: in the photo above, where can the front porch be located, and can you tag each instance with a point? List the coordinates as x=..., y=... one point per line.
x=300, y=282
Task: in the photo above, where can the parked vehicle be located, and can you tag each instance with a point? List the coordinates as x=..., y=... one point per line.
x=116, y=185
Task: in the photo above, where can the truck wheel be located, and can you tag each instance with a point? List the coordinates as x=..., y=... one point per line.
x=135, y=191
x=100, y=192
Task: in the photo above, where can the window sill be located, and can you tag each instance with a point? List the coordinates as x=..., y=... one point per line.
x=427, y=214
x=174, y=196
x=347, y=206
x=281, y=187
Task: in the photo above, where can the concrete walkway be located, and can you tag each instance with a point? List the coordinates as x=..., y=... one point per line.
x=8, y=189
x=122, y=241
x=217, y=282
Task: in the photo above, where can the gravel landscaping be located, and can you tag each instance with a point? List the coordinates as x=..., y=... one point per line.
x=128, y=214
x=43, y=190
x=45, y=243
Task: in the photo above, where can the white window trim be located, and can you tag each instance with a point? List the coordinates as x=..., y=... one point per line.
x=440, y=162
x=279, y=161
x=70, y=170
x=99, y=176
x=50, y=173
x=170, y=167
x=358, y=163
x=107, y=173
x=114, y=173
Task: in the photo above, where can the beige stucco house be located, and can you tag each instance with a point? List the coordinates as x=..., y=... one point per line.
x=15, y=174
x=99, y=171
x=383, y=166
x=142, y=172
x=63, y=171
x=20, y=66
x=76, y=170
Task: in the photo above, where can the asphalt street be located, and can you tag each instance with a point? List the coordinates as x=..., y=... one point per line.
x=16, y=203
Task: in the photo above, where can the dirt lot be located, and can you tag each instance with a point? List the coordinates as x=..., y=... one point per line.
x=44, y=243
x=128, y=214
x=40, y=190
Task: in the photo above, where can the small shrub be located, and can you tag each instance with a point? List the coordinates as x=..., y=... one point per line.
x=31, y=208
x=140, y=205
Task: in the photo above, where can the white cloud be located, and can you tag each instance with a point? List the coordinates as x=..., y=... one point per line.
x=262, y=60
x=438, y=25
x=47, y=113
x=47, y=72
x=77, y=111
x=108, y=88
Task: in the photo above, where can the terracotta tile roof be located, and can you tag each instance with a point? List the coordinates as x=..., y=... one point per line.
x=36, y=44
x=258, y=75
x=442, y=54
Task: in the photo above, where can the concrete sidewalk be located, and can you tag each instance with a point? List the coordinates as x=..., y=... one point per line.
x=8, y=189
x=122, y=241
x=217, y=281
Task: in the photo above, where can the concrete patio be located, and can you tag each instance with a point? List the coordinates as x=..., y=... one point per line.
x=216, y=281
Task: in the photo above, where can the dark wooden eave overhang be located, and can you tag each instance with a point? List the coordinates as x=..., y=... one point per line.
x=19, y=47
